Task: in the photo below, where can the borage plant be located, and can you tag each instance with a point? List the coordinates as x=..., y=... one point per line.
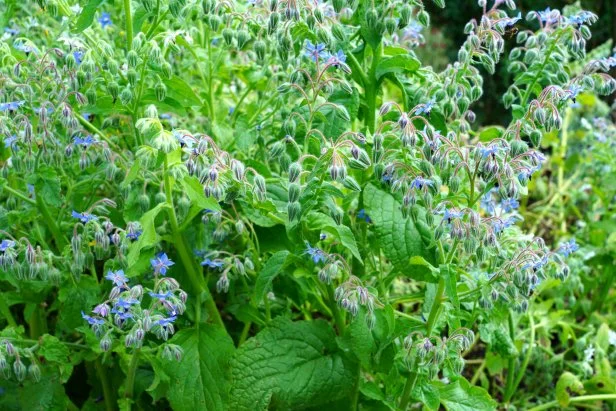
x=346, y=235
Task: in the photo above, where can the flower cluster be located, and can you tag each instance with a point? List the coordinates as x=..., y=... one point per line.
x=135, y=311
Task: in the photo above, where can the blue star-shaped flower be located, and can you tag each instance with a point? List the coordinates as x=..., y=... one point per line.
x=6, y=244
x=117, y=277
x=161, y=263
x=92, y=320
x=11, y=105
x=214, y=264
x=84, y=217
x=315, y=51
x=105, y=19
x=317, y=255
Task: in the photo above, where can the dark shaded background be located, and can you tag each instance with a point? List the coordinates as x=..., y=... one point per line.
x=452, y=19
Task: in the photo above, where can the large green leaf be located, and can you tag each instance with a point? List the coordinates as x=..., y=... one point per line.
x=270, y=270
x=400, y=238
x=400, y=63
x=148, y=237
x=86, y=17
x=290, y=365
x=460, y=395
x=200, y=380
x=341, y=232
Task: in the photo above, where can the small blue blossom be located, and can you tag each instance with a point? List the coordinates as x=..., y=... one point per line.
x=84, y=217
x=509, y=21
x=161, y=263
x=315, y=52
x=160, y=296
x=573, y=91
x=164, y=322
x=92, y=320
x=363, y=216
x=85, y=142
x=134, y=235
x=317, y=255
x=449, y=215
x=11, y=105
x=11, y=32
x=510, y=204
x=26, y=48
x=10, y=141
x=425, y=108
x=214, y=264
x=568, y=248
x=6, y=244
x=500, y=224
x=123, y=304
x=78, y=55
x=337, y=59
x=548, y=16
x=117, y=277
x=490, y=150
x=105, y=19
x=421, y=182
x=488, y=203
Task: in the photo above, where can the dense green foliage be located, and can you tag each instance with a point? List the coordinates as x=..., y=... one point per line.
x=293, y=205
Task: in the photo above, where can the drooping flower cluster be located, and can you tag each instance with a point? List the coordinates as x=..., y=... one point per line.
x=131, y=312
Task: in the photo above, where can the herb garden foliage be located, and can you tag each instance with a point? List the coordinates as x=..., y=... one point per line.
x=275, y=205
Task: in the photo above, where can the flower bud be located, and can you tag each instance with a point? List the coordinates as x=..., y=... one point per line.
x=294, y=210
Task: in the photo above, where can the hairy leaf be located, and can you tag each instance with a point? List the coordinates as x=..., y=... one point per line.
x=290, y=365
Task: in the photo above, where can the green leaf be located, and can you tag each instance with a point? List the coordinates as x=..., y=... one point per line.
x=460, y=395
x=180, y=91
x=57, y=355
x=420, y=268
x=567, y=383
x=270, y=270
x=86, y=17
x=148, y=237
x=332, y=120
x=400, y=238
x=290, y=365
x=499, y=340
x=47, y=185
x=400, y=63
x=359, y=340
x=341, y=232
x=195, y=193
x=490, y=133
x=200, y=380
x=451, y=290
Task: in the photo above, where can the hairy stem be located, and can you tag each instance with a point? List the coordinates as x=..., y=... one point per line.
x=182, y=248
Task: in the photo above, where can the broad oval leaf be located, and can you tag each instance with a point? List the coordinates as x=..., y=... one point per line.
x=290, y=365
x=400, y=238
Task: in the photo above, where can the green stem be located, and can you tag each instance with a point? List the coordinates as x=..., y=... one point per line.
x=185, y=255
x=130, y=376
x=371, y=90
x=244, y=333
x=19, y=194
x=50, y=221
x=436, y=305
x=584, y=398
x=108, y=394
x=516, y=383
x=210, y=77
x=336, y=312
x=406, y=393
x=511, y=363
x=129, y=25
x=6, y=312
x=38, y=325
x=541, y=70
